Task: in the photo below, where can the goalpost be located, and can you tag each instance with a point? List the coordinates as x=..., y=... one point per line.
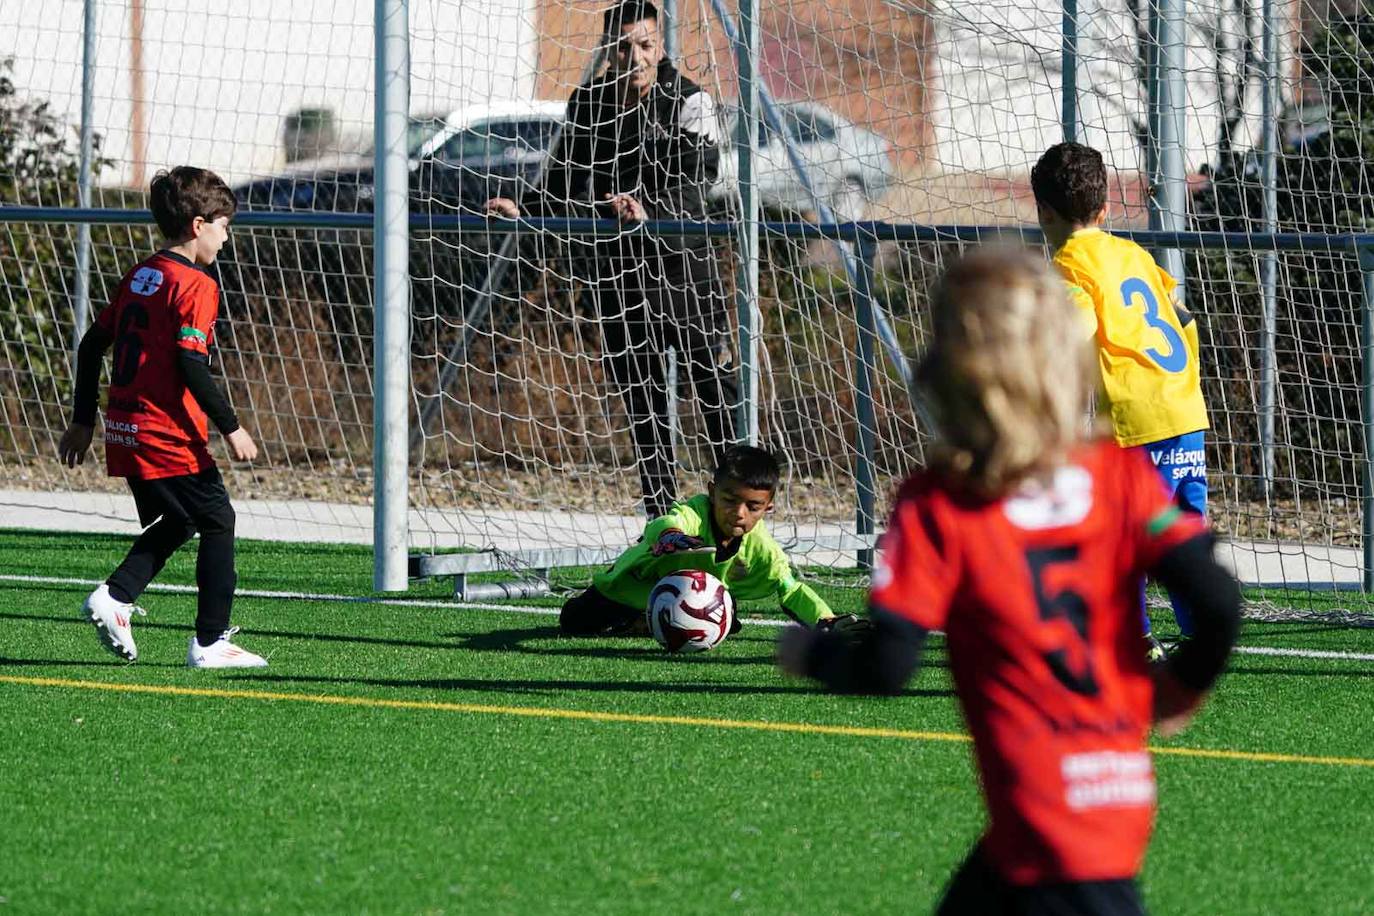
x=506, y=445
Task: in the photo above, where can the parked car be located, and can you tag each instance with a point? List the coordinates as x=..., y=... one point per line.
x=492, y=150
x=475, y=153
x=485, y=151
x=849, y=167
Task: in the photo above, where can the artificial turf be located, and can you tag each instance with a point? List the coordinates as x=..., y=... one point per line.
x=120, y=801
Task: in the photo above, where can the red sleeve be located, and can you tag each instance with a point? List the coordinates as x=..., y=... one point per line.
x=916, y=573
x=197, y=306
x=108, y=315
x=1157, y=523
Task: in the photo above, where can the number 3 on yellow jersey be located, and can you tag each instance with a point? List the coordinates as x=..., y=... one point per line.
x=1175, y=359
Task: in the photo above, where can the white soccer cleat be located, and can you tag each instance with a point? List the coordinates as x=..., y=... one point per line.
x=112, y=621
x=222, y=654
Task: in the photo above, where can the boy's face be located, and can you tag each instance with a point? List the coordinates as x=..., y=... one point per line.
x=635, y=56
x=736, y=508
x=208, y=237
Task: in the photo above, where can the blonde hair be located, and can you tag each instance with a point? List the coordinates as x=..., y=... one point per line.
x=1008, y=374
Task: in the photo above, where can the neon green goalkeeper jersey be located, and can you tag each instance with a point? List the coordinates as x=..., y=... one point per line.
x=757, y=569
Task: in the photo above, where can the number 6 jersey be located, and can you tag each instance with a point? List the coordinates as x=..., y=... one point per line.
x=1038, y=596
x=154, y=427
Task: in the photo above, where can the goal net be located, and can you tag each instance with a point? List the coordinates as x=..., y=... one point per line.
x=919, y=112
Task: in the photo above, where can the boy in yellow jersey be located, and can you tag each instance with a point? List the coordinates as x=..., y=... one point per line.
x=720, y=531
x=1147, y=343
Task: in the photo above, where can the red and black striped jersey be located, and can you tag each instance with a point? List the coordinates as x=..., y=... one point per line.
x=1038, y=594
x=153, y=426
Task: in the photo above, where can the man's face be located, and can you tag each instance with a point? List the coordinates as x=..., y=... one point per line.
x=737, y=508
x=636, y=54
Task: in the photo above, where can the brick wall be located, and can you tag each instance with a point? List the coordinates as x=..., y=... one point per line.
x=865, y=59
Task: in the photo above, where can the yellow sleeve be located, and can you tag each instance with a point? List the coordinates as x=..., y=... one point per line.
x=1087, y=310
x=635, y=571
x=1186, y=322
x=770, y=572
x=1166, y=281
x=1190, y=340
x=1078, y=292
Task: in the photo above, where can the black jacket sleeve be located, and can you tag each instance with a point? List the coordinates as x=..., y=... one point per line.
x=686, y=160
x=195, y=369
x=880, y=662
x=1193, y=576
x=89, y=355
x=563, y=188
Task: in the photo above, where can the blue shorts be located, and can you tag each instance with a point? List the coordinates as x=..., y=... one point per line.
x=1182, y=465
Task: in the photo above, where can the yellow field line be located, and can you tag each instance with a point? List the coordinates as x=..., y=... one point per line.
x=543, y=712
x=1262, y=757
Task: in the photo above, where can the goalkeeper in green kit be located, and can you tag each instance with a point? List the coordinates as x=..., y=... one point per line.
x=720, y=531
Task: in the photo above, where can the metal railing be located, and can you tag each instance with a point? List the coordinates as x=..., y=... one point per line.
x=865, y=237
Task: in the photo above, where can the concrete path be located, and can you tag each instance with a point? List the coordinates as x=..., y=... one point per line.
x=1257, y=563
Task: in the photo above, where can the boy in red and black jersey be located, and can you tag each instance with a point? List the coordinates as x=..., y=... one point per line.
x=1026, y=544
x=161, y=323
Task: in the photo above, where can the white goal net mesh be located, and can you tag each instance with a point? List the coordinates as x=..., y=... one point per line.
x=523, y=411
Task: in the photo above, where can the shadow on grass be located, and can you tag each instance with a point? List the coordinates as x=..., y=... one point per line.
x=1247, y=670
x=625, y=648
x=142, y=624
x=6, y=662
x=1251, y=630
x=632, y=648
x=536, y=686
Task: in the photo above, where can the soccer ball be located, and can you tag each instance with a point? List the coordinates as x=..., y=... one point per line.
x=690, y=611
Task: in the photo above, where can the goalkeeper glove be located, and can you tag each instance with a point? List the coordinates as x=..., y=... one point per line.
x=845, y=626
x=674, y=541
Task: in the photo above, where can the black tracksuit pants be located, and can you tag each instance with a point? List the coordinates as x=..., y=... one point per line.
x=640, y=318
x=174, y=509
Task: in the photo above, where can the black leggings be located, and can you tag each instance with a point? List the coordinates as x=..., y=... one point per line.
x=593, y=614
x=977, y=890
x=179, y=507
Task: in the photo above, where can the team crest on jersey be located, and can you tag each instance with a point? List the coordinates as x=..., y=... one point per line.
x=1064, y=502
x=145, y=281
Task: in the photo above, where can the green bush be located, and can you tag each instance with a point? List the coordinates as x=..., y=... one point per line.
x=1323, y=186
x=39, y=166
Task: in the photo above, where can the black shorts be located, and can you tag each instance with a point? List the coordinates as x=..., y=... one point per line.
x=591, y=613
x=977, y=890
x=182, y=499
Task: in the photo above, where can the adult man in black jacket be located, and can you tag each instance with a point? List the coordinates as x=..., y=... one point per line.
x=641, y=142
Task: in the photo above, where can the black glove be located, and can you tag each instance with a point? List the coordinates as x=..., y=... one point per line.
x=846, y=626
x=674, y=541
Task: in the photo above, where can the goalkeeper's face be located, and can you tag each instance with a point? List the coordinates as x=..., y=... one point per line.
x=636, y=54
x=737, y=508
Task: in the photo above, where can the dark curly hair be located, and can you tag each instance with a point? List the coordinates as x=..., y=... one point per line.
x=1071, y=180
x=752, y=467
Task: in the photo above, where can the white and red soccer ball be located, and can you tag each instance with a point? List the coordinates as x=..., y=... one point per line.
x=690, y=611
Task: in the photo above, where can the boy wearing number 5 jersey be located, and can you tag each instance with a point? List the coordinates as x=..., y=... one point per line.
x=161, y=324
x=1147, y=344
x=1024, y=540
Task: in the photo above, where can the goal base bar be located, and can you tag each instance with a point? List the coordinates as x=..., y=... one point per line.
x=540, y=561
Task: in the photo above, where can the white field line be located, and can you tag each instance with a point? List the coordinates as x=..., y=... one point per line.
x=550, y=611
x=1306, y=653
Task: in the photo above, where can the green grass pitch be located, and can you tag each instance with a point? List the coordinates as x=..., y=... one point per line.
x=425, y=791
